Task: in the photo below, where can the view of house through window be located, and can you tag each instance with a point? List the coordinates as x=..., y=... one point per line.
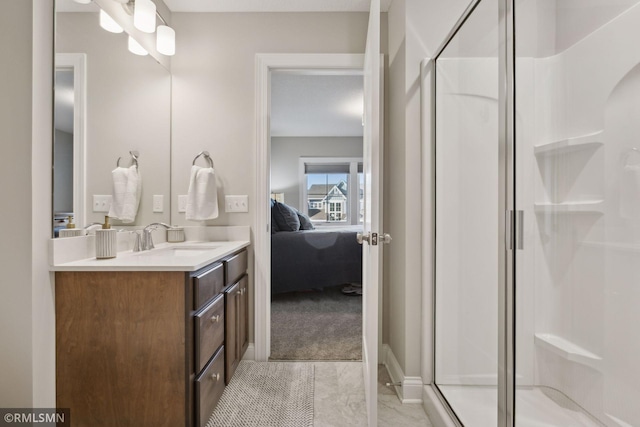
x=329, y=193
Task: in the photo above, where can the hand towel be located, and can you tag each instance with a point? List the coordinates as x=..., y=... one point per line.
x=127, y=188
x=202, y=198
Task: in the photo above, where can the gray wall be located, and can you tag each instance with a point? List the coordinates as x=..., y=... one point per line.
x=416, y=30
x=285, y=155
x=213, y=96
x=27, y=334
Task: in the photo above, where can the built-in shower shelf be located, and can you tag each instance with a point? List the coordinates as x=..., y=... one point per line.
x=591, y=141
x=583, y=206
x=568, y=350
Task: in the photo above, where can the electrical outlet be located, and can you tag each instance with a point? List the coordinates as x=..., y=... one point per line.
x=236, y=203
x=101, y=203
x=182, y=203
x=158, y=203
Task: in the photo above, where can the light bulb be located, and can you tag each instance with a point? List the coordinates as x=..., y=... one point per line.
x=83, y=1
x=144, y=16
x=166, y=40
x=135, y=47
x=108, y=23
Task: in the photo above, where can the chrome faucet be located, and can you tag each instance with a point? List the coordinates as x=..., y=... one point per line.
x=147, y=238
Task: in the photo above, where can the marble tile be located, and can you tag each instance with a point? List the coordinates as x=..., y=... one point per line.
x=339, y=395
x=339, y=399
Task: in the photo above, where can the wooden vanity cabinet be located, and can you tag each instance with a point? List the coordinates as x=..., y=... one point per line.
x=236, y=310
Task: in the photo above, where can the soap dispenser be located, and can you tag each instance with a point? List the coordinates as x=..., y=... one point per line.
x=70, y=230
x=106, y=241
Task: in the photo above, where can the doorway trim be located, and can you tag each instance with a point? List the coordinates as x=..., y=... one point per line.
x=265, y=64
x=77, y=62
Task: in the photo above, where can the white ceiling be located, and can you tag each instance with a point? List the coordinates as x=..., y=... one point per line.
x=316, y=104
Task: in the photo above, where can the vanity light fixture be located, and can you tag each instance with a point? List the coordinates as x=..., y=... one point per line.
x=136, y=48
x=83, y=1
x=144, y=16
x=108, y=23
x=166, y=40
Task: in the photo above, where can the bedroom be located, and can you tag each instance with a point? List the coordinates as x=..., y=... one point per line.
x=316, y=159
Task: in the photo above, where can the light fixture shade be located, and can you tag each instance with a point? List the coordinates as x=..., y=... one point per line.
x=166, y=40
x=144, y=16
x=135, y=47
x=83, y=1
x=108, y=23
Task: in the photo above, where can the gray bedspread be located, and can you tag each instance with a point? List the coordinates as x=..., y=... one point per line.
x=313, y=259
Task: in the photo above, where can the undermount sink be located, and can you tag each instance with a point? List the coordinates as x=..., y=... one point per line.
x=181, y=251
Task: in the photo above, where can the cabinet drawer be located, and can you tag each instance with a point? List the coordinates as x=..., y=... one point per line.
x=235, y=267
x=209, y=333
x=207, y=285
x=209, y=388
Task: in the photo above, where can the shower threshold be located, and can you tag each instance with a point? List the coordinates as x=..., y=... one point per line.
x=476, y=406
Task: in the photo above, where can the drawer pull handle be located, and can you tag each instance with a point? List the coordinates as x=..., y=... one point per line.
x=215, y=319
x=215, y=377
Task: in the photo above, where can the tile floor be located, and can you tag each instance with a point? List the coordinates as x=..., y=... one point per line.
x=339, y=399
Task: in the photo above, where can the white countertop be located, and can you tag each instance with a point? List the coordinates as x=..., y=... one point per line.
x=185, y=256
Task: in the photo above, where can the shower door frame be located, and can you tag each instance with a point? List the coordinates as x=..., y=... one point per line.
x=509, y=223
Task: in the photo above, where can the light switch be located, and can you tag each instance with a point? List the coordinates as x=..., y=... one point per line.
x=182, y=202
x=101, y=203
x=158, y=203
x=236, y=203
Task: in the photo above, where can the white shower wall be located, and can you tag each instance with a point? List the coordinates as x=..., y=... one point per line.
x=581, y=252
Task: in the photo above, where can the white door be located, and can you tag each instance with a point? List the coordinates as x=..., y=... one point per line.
x=371, y=248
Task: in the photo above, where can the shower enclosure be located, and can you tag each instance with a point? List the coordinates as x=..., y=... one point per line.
x=537, y=217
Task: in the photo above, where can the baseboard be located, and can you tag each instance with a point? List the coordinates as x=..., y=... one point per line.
x=250, y=354
x=410, y=390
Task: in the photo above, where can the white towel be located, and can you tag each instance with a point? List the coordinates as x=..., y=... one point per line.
x=630, y=192
x=127, y=187
x=202, y=199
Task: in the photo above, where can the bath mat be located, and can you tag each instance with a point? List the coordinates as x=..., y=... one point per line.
x=267, y=394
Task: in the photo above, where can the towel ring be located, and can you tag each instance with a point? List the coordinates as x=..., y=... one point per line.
x=206, y=156
x=134, y=157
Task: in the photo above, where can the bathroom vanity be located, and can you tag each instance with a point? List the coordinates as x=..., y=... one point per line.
x=150, y=338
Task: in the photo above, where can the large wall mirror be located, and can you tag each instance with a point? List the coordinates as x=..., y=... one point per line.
x=109, y=103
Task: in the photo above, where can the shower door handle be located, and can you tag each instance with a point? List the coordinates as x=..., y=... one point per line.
x=520, y=230
x=514, y=226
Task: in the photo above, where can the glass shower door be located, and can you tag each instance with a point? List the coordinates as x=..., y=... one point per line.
x=467, y=218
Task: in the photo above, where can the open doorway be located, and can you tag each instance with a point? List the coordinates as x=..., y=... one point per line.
x=316, y=150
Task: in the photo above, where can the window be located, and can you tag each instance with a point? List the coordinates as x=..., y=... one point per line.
x=326, y=184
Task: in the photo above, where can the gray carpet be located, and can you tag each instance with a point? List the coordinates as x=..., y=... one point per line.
x=316, y=325
x=267, y=394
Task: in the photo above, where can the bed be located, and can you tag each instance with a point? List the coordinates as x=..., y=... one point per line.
x=313, y=259
x=303, y=257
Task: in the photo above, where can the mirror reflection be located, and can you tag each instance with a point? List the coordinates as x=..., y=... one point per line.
x=109, y=104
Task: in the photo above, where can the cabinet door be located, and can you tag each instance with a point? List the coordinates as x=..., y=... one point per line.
x=243, y=317
x=231, y=305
